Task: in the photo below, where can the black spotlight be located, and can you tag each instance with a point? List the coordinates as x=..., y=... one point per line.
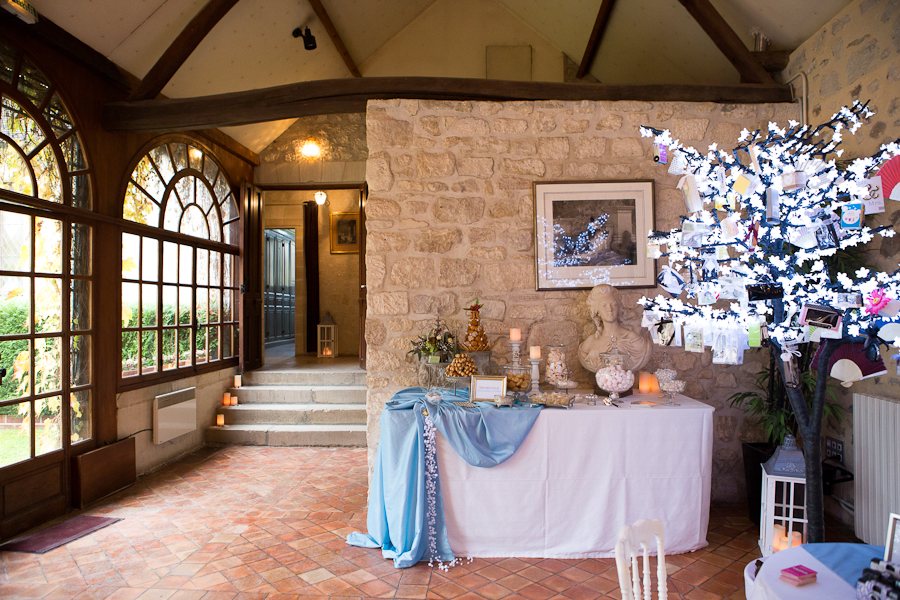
x=309, y=40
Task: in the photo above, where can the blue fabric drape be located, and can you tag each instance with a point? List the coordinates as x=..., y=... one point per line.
x=397, y=517
x=846, y=560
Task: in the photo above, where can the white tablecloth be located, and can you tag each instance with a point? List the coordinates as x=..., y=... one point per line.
x=580, y=475
x=828, y=586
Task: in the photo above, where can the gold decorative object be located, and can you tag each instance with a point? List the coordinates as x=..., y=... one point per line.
x=462, y=366
x=475, y=340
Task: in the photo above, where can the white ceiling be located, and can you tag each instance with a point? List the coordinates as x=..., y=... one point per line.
x=647, y=41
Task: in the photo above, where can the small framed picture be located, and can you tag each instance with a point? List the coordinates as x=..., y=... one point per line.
x=485, y=387
x=344, y=233
x=892, y=545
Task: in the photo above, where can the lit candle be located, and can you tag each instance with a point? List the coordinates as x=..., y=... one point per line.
x=535, y=353
x=515, y=335
x=779, y=540
x=220, y=420
x=644, y=382
x=326, y=351
x=226, y=399
x=234, y=401
x=237, y=381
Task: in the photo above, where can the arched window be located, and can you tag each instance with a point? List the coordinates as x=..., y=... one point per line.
x=40, y=153
x=179, y=287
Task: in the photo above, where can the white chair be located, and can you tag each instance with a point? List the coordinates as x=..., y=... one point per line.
x=632, y=537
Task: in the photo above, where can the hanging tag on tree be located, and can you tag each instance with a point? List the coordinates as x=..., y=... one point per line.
x=688, y=188
x=852, y=215
x=773, y=207
x=678, y=166
x=660, y=153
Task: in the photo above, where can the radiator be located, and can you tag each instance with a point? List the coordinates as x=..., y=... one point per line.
x=174, y=414
x=876, y=465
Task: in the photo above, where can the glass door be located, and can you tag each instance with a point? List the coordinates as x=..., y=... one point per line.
x=46, y=403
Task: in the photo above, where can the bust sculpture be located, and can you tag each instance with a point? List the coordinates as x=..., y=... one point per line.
x=606, y=312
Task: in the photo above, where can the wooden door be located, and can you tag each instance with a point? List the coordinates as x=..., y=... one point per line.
x=252, y=331
x=47, y=408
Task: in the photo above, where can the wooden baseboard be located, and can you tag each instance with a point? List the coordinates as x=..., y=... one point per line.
x=101, y=472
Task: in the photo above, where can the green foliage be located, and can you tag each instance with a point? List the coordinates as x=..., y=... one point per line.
x=12, y=315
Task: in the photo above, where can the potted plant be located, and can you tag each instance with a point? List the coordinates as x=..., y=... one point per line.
x=768, y=404
x=436, y=345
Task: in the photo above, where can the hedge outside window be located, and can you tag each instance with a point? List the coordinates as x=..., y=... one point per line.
x=179, y=295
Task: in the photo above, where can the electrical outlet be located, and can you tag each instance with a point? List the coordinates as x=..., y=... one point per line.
x=834, y=449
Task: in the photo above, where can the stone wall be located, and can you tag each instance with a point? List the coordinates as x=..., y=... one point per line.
x=450, y=218
x=856, y=56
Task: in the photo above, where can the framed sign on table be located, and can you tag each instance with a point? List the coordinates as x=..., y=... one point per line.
x=344, y=232
x=592, y=232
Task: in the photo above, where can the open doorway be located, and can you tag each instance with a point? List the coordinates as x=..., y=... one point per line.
x=279, y=299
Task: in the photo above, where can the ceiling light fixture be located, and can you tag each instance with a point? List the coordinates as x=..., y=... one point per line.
x=310, y=149
x=309, y=40
x=321, y=198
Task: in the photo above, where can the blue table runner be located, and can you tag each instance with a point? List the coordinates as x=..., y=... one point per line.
x=406, y=515
x=846, y=560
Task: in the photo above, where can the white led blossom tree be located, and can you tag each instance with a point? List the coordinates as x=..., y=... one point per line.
x=762, y=219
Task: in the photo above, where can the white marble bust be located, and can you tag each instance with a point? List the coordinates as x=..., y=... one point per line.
x=606, y=312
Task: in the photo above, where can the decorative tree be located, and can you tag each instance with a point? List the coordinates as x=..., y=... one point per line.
x=763, y=217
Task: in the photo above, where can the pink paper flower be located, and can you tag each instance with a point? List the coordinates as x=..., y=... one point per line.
x=877, y=300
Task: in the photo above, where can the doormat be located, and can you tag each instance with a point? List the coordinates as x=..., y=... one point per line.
x=59, y=535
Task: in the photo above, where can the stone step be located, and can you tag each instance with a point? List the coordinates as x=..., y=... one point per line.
x=288, y=435
x=300, y=394
x=318, y=376
x=294, y=414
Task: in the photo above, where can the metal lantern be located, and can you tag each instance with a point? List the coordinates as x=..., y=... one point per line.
x=783, y=516
x=327, y=336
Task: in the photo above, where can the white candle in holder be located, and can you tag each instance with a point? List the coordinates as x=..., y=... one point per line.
x=237, y=381
x=535, y=353
x=515, y=335
x=220, y=420
x=226, y=399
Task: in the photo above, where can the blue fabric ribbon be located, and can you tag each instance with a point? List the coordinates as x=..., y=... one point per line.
x=397, y=519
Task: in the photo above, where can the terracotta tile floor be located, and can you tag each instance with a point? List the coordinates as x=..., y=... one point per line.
x=242, y=523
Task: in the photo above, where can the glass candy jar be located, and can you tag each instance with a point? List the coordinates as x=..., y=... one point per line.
x=612, y=376
x=557, y=372
x=518, y=378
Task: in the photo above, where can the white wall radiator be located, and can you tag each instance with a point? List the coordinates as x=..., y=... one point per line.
x=876, y=465
x=174, y=414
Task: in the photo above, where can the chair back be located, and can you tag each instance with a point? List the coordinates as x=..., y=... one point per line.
x=634, y=538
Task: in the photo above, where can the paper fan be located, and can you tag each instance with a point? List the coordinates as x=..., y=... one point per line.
x=890, y=178
x=849, y=364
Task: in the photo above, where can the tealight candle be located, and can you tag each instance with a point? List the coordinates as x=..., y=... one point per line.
x=515, y=335
x=234, y=401
x=237, y=381
x=220, y=420
x=534, y=353
x=226, y=399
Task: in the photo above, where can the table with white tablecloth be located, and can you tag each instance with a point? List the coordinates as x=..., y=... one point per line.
x=580, y=475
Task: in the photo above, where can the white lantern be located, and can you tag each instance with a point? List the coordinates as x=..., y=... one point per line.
x=327, y=337
x=783, y=517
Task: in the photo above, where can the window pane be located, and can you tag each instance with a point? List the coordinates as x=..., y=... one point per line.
x=232, y=232
x=7, y=62
x=226, y=305
x=145, y=176
x=210, y=169
x=215, y=228
x=227, y=265
x=195, y=156
x=185, y=346
x=203, y=305
x=80, y=305
x=148, y=305
x=32, y=82
x=235, y=339
x=160, y=156
x=229, y=209
x=71, y=148
x=15, y=123
x=47, y=305
x=80, y=416
x=139, y=207
x=215, y=268
x=148, y=352
x=221, y=187
x=170, y=262
x=48, y=246
x=193, y=223
x=173, y=213
x=214, y=303
x=48, y=424
x=179, y=155
x=46, y=171
x=129, y=353
x=57, y=115
x=204, y=197
x=16, y=176
x=168, y=349
x=15, y=242
x=130, y=299
x=202, y=266
x=213, y=333
x=15, y=442
x=226, y=341
x=47, y=364
x=80, y=359
x=186, y=265
x=170, y=304
x=81, y=191
x=15, y=357
x=15, y=305
x=131, y=258
x=150, y=259
x=201, y=345
x=80, y=257
x=185, y=305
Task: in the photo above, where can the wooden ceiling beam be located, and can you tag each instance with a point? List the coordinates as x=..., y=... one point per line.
x=332, y=96
x=180, y=49
x=724, y=37
x=335, y=36
x=593, y=44
x=773, y=61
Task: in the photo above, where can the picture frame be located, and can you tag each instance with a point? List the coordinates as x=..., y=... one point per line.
x=592, y=232
x=892, y=544
x=344, y=233
x=485, y=387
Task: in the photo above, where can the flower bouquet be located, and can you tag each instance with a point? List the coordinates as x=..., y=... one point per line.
x=437, y=345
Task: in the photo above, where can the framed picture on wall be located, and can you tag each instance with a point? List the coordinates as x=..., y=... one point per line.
x=892, y=545
x=592, y=232
x=344, y=232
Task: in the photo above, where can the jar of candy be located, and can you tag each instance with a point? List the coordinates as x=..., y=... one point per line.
x=612, y=376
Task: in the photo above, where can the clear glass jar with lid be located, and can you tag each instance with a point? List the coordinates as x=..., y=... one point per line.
x=612, y=376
